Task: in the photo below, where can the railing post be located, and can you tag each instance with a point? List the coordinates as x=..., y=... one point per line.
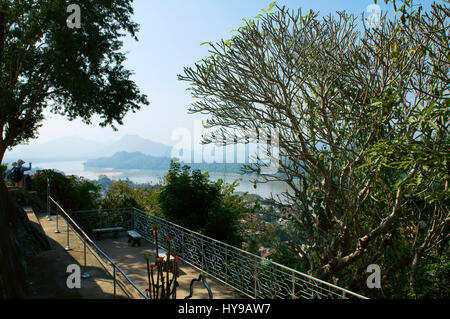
x=203, y=255
x=183, y=244
x=68, y=233
x=114, y=279
x=293, y=286
x=226, y=264
x=101, y=217
x=256, y=280
x=57, y=230
x=48, y=200
x=85, y=273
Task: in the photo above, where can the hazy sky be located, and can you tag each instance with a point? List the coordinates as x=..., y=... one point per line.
x=171, y=32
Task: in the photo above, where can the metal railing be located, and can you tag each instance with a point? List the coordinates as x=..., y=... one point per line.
x=120, y=279
x=245, y=272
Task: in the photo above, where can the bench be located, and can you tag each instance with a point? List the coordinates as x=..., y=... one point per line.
x=115, y=230
x=134, y=237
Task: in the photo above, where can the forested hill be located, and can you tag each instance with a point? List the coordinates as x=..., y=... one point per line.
x=137, y=160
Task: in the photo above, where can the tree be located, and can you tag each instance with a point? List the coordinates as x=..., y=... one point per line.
x=71, y=192
x=191, y=200
x=122, y=194
x=77, y=72
x=424, y=142
x=226, y=223
x=350, y=118
x=188, y=198
x=3, y=170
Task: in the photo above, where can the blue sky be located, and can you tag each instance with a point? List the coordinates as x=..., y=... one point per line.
x=171, y=32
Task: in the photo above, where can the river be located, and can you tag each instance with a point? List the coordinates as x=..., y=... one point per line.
x=246, y=183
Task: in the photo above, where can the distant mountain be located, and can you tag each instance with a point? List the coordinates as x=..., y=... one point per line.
x=135, y=143
x=126, y=160
x=64, y=148
x=77, y=148
x=137, y=160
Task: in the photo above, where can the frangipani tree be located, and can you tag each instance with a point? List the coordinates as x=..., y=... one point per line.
x=351, y=114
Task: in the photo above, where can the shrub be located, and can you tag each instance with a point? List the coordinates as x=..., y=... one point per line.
x=71, y=192
x=124, y=194
x=191, y=200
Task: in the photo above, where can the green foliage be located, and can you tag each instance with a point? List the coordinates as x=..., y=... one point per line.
x=188, y=198
x=192, y=201
x=163, y=287
x=224, y=223
x=433, y=281
x=70, y=192
x=121, y=194
x=3, y=169
x=284, y=256
x=365, y=156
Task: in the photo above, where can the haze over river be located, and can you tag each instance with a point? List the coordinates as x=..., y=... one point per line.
x=157, y=176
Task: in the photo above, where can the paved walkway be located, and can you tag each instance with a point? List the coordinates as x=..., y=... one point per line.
x=131, y=260
x=100, y=283
x=48, y=269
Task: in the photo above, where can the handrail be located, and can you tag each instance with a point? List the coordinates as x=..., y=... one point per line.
x=258, y=257
x=312, y=281
x=91, y=242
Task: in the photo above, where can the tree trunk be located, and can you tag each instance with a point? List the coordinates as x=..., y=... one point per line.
x=2, y=34
x=3, y=148
x=12, y=268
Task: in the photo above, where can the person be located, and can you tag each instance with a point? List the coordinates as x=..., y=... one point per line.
x=27, y=183
x=22, y=171
x=13, y=174
x=7, y=173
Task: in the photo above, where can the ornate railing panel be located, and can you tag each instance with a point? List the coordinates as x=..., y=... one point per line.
x=247, y=273
x=120, y=280
x=90, y=219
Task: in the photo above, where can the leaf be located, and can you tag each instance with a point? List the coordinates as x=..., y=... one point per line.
x=364, y=165
x=271, y=5
x=433, y=125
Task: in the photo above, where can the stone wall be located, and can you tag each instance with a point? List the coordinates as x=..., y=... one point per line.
x=19, y=239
